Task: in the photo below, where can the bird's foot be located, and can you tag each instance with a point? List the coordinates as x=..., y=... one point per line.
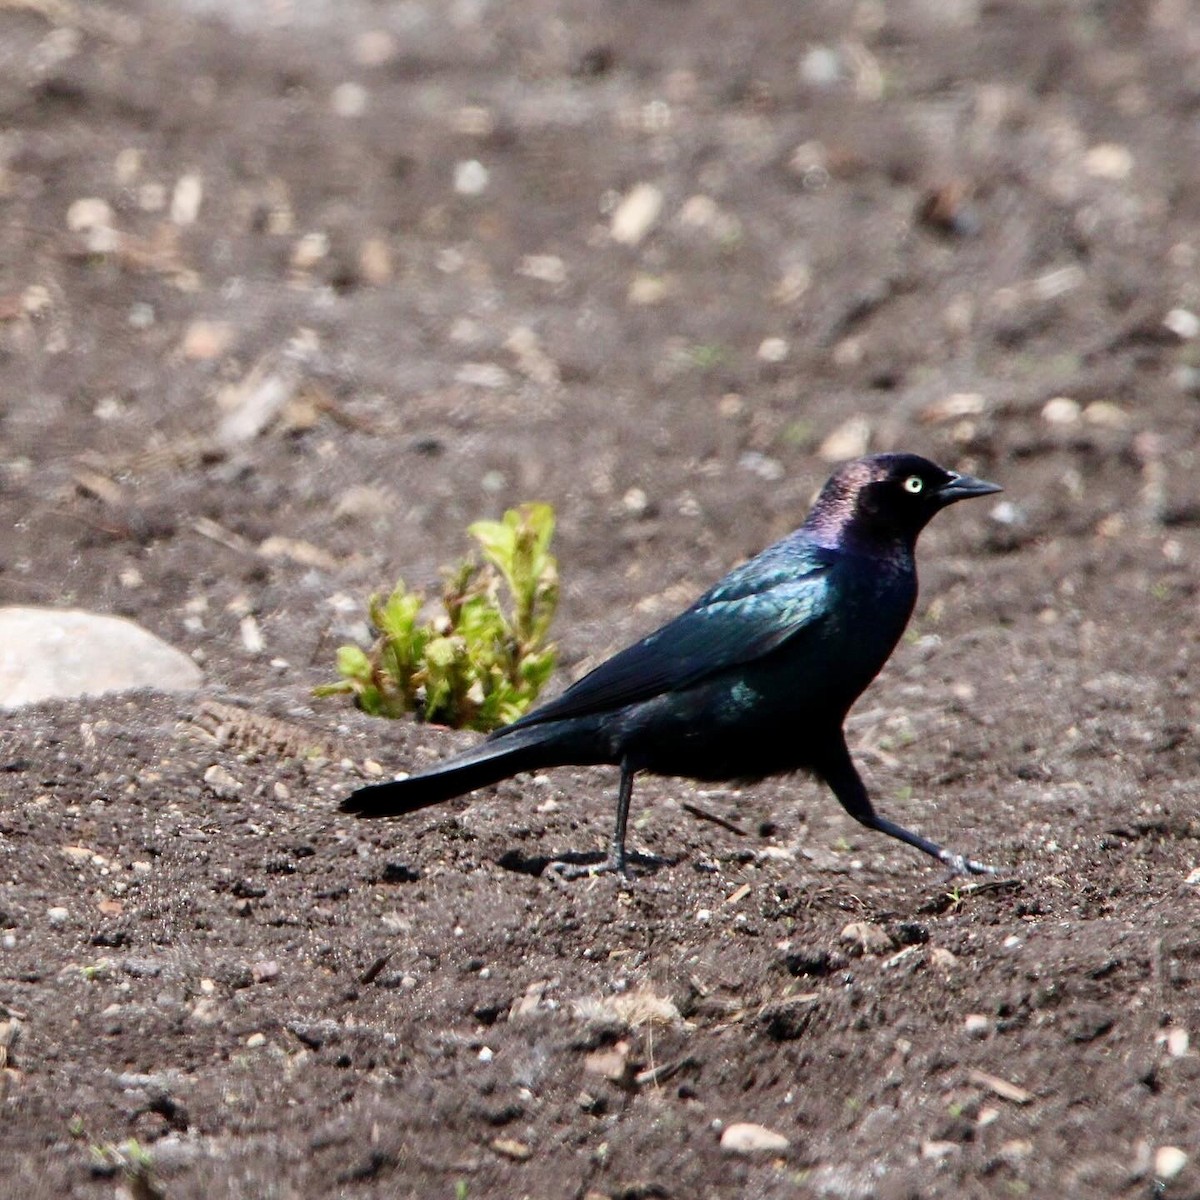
x=580, y=866
x=959, y=864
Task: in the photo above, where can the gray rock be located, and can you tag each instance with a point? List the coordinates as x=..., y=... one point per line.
x=48, y=654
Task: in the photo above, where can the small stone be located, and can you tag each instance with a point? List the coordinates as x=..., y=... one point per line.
x=746, y=1138
x=264, y=971
x=1061, y=410
x=483, y=375
x=36, y=300
x=474, y=120
x=1108, y=161
x=511, y=1148
x=1183, y=323
x=1169, y=1161
x=773, y=350
x=942, y=959
x=849, y=440
x=471, y=178
x=221, y=782
x=546, y=268
x=127, y=166
x=762, y=465
x=611, y=1063
x=374, y=48
x=309, y=250
x=1104, y=414
x=698, y=212
x=205, y=340
x=88, y=213
x=375, y=261
x=954, y=407
x=255, y=1040
x=937, y=1149
x=349, y=100
x=821, y=67
x=1177, y=1041
x=976, y=1025
x=58, y=915
x=636, y=214
x=1005, y=512
x=186, y=199
x=635, y=502
x=867, y=937
x=646, y=290
x=141, y=315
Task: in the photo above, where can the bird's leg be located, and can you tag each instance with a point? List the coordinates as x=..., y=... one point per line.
x=617, y=860
x=839, y=772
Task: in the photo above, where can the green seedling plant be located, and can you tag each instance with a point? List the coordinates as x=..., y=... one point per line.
x=480, y=663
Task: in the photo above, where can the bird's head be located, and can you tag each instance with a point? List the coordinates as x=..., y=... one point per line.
x=889, y=497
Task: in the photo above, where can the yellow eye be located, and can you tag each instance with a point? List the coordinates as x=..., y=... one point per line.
x=913, y=485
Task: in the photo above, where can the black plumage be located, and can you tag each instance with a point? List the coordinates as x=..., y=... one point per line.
x=754, y=679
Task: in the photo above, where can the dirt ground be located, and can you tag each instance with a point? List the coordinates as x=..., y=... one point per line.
x=659, y=265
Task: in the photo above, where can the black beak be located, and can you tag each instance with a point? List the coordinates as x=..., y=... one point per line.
x=963, y=487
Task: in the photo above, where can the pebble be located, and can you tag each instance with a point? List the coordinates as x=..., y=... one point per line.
x=1061, y=410
x=309, y=250
x=58, y=915
x=773, y=350
x=867, y=936
x=206, y=340
x=221, y=782
x=511, y=1148
x=375, y=47
x=375, y=261
x=821, y=67
x=976, y=1025
x=186, y=200
x=1104, y=414
x=746, y=1138
x=1177, y=1041
x=471, y=178
x=770, y=469
x=1169, y=1161
x=635, y=214
x=40, y=659
x=1183, y=323
x=849, y=440
x=545, y=268
x=88, y=213
x=954, y=407
x=1108, y=161
x=349, y=100
x=612, y=1063
x=1005, y=512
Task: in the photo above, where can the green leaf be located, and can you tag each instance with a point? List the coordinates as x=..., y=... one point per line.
x=483, y=663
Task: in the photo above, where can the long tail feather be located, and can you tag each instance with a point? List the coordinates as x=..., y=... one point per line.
x=488, y=762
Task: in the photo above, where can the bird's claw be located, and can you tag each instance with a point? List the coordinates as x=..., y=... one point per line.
x=959, y=864
x=564, y=871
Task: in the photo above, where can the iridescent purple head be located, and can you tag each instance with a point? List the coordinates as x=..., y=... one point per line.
x=887, y=498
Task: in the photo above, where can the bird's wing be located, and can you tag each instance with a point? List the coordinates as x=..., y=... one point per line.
x=749, y=613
